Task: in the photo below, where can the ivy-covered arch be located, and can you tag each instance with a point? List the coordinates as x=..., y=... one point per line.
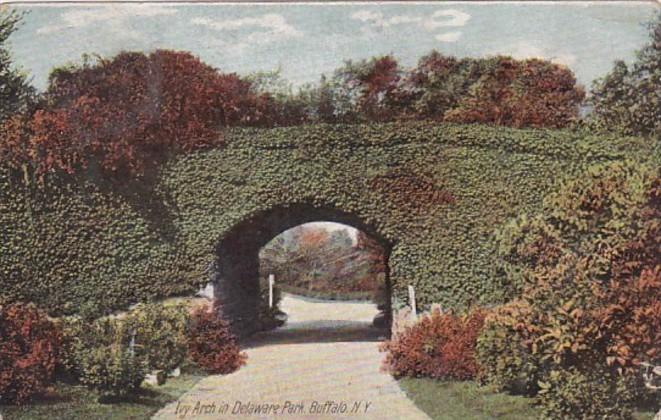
x=433, y=192
x=237, y=266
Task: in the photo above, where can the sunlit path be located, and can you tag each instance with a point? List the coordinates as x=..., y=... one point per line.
x=326, y=358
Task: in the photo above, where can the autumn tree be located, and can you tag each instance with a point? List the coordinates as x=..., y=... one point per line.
x=527, y=93
x=629, y=97
x=122, y=113
x=315, y=259
x=588, y=270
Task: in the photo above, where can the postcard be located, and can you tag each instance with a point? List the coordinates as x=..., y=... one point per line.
x=319, y=210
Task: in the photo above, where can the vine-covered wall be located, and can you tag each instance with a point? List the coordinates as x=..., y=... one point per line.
x=433, y=193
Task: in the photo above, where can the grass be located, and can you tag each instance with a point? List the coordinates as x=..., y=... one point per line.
x=75, y=402
x=448, y=400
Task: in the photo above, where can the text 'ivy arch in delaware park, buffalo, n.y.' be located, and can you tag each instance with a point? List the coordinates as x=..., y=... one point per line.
x=432, y=195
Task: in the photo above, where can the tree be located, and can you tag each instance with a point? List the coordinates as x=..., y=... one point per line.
x=121, y=114
x=16, y=94
x=437, y=84
x=312, y=258
x=364, y=90
x=528, y=93
x=629, y=98
x=285, y=106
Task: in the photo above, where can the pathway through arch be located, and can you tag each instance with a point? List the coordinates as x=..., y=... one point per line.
x=321, y=364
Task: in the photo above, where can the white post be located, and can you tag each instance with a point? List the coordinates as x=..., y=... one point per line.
x=271, y=281
x=414, y=310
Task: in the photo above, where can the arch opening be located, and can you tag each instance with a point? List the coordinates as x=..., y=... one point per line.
x=240, y=278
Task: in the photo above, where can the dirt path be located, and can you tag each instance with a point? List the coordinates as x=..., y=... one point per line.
x=308, y=369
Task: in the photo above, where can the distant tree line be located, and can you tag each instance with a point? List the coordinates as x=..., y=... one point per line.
x=316, y=260
x=496, y=90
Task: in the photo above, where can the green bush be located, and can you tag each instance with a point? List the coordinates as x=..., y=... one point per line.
x=571, y=394
x=149, y=337
x=102, y=356
x=159, y=332
x=505, y=362
x=73, y=344
x=115, y=371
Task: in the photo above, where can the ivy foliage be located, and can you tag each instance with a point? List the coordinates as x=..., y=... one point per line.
x=77, y=243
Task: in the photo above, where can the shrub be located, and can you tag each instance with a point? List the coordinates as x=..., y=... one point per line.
x=572, y=394
x=440, y=345
x=160, y=334
x=103, y=356
x=73, y=343
x=211, y=345
x=503, y=358
x=590, y=311
x=29, y=345
x=114, y=371
x=156, y=332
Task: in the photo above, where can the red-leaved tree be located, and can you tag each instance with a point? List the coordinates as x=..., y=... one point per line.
x=521, y=93
x=124, y=112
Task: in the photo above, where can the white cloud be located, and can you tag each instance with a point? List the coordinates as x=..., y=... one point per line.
x=448, y=37
x=446, y=18
x=270, y=27
x=524, y=49
x=115, y=14
x=438, y=19
x=457, y=18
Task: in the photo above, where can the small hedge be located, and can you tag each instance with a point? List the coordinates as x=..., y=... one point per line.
x=29, y=346
x=440, y=346
x=119, y=244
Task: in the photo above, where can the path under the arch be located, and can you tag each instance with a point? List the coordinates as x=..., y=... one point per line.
x=327, y=354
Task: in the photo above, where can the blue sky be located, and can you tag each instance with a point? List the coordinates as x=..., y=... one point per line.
x=305, y=40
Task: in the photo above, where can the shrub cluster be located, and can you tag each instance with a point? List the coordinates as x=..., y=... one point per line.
x=102, y=356
x=589, y=269
x=29, y=345
x=211, y=345
x=113, y=355
x=439, y=345
x=160, y=334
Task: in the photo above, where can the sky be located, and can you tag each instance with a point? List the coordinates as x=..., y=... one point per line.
x=304, y=40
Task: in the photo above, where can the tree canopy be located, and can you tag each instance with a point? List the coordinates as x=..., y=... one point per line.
x=629, y=97
x=15, y=91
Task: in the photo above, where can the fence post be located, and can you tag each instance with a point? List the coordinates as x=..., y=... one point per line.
x=271, y=281
x=414, y=310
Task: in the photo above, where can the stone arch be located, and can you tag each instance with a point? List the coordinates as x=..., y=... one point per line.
x=236, y=280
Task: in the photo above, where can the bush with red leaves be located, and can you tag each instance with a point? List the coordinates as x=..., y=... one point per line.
x=29, y=344
x=211, y=345
x=440, y=345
